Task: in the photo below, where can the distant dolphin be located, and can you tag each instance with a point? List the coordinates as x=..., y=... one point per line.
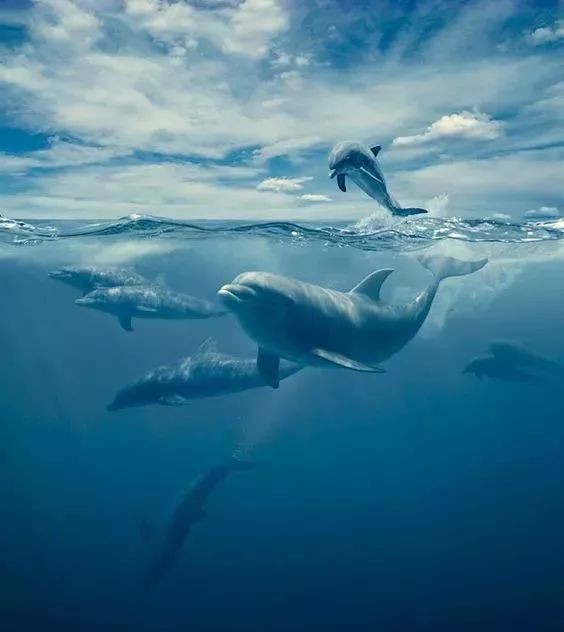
x=516, y=354
x=492, y=367
x=88, y=278
x=188, y=511
x=127, y=302
x=205, y=374
x=312, y=325
x=359, y=163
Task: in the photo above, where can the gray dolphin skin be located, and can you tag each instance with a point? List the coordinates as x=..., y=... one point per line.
x=312, y=325
x=88, y=278
x=188, y=511
x=207, y=373
x=493, y=368
x=359, y=163
x=127, y=302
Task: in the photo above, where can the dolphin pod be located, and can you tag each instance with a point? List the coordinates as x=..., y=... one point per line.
x=188, y=511
x=207, y=373
x=140, y=301
x=312, y=325
x=349, y=159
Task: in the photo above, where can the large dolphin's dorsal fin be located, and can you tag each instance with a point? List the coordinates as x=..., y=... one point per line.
x=208, y=346
x=376, y=150
x=371, y=285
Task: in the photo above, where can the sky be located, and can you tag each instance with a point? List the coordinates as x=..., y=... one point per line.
x=229, y=108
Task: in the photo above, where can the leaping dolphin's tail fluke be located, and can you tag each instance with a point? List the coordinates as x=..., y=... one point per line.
x=410, y=210
x=444, y=267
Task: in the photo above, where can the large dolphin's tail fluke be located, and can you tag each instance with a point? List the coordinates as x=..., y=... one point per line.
x=444, y=267
x=410, y=210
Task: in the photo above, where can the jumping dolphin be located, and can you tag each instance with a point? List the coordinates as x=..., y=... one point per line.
x=492, y=367
x=312, y=325
x=127, y=302
x=188, y=511
x=359, y=163
x=205, y=374
x=88, y=278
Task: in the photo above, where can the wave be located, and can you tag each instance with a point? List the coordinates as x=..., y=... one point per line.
x=369, y=234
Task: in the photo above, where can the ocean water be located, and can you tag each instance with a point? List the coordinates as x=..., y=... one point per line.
x=418, y=499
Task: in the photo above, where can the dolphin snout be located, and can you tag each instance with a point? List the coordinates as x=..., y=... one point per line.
x=234, y=294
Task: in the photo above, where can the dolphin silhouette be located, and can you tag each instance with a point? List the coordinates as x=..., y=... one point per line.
x=312, y=325
x=360, y=164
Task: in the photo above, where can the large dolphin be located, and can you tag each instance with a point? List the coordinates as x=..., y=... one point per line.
x=205, y=374
x=188, y=511
x=312, y=325
x=359, y=163
x=127, y=302
x=88, y=278
x=495, y=369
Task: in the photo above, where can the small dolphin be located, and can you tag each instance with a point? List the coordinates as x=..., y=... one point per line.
x=89, y=278
x=205, y=374
x=188, y=511
x=312, y=325
x=127, y=302
x=359, y=163
x=513, y=353
x=492, y=367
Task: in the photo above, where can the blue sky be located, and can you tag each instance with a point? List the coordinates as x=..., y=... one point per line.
x=228, y=108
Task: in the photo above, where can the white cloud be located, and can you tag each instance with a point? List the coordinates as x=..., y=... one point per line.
x=467, y=125
x=546, y=34
x=543, y=212
x=314, y=197
x=286, y=185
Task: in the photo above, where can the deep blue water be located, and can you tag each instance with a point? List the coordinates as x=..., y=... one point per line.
x=421, y=499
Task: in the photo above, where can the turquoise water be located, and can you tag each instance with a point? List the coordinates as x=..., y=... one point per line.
x=419, y=499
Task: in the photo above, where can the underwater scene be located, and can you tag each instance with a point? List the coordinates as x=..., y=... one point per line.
x=155, y=476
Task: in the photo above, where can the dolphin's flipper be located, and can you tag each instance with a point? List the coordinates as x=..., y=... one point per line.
x=347, y=363
x=376, y=150
x=341, y=182
x=172, y=400
x=268, y=365
x=371, y=285
x=125, y=322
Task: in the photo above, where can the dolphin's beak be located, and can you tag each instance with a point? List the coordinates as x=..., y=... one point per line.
x=234, y=295
x=85, y=301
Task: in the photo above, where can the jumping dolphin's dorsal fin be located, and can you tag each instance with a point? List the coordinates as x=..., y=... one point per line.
x=208, y=346
x=376, y=150
x=341, y=182
x=125, y=322
x=268, y=365
x=172, y=400
x=347, y=363
x=371, y=285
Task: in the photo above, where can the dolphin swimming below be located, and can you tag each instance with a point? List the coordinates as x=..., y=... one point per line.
x=311, y=325
x=207, y=373
x=88, y=278
x=496, y=369
x=188, y=511
x=513, y=353
x=127, y=302
x=359, y=163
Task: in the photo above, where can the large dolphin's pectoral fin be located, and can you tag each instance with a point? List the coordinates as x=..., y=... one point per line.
x=371, y=285
x=125, y=322
x=347, y=363
x=376, y=150
x=268, y=365
x=341, y=182
x=172, y=400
